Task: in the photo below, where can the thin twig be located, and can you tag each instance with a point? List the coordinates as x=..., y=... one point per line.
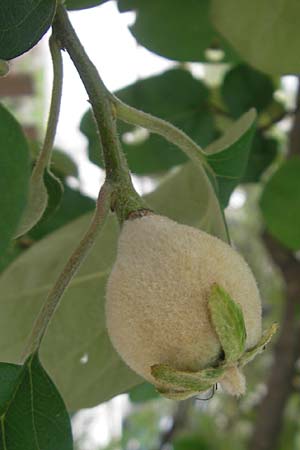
x=76, y=259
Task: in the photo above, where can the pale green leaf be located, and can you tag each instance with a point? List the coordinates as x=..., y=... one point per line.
x=228, y=321
x=265, y=33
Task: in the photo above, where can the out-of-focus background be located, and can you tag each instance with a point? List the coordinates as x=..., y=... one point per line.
x=140, y=419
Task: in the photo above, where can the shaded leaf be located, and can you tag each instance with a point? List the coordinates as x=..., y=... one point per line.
x=61, y=163
x=244, y=88
x=280, y=203
x=188, y=110
x=55, y=192
x=264, y=33
x=89, y=370
x=33, y=415
x=143, y=393
x=73, y=205
x=22, y=25
x=228, y=155
x=15, y=173
x=177, y=30
x=228, y=321
x=263, y=153
x=36, y=204
x=83, y=4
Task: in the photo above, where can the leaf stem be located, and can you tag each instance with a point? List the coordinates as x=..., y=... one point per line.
x=76, y=259
x=124, y=197
x=159, y=126
x=45, y=155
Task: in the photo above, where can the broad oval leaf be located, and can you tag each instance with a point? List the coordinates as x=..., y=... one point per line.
x=22, y=25
x=177, y=30
x=280, y=204
x=83, y=4
x=228, y=155
x=188, y=109
x=76, y=350
x=32, y=413
x=265, y=33
x=15, y=173
x=244, y=88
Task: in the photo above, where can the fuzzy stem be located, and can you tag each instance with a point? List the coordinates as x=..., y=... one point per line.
x=45, y=154
x=76, y=259
x=125, y=199
x=159, y=126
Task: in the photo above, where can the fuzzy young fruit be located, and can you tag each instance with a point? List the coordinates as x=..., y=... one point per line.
x=182, y=308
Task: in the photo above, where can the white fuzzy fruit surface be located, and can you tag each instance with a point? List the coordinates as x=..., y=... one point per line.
x=157, y=294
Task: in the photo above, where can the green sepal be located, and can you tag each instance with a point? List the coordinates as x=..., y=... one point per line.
x=173, y=394
x=184, y=380
x=259, y=348
x=228, y=321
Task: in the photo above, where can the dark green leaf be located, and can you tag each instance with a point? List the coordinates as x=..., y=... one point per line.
x=55, y=192
x=143, y=393
x=73, y=205
x=61, y=163
x=228, y=156
x=244, y=88
x=228, y=321
x=14, y=179
x=22, y=24
x=33, y=414
x=263, y=152
x=175, y=29
x=83, y=4
x=264, y=32
x=280, y=204
x=188, y=109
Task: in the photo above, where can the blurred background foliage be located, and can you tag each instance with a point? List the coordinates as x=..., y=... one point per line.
x=243, y=68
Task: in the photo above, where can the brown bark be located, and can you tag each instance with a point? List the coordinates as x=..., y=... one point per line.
x=270, y=414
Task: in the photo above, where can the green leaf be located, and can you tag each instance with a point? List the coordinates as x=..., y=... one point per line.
x=175, y=29
x=36, y=204
x=61, y=163
x=259, y=348
x=263, y=152
x=264, y=33
x=4, y=68
x=244, y=88
x=83, y=4
x=22, y=25
x=188, y=110
x=33, y=414
x=143, y=393
x=179, y=379
x=14, y=179
x=228, y=155
x=89, y=370
x=280, y=203
x=73, y=205
x=55, y=192
x=228, y=321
